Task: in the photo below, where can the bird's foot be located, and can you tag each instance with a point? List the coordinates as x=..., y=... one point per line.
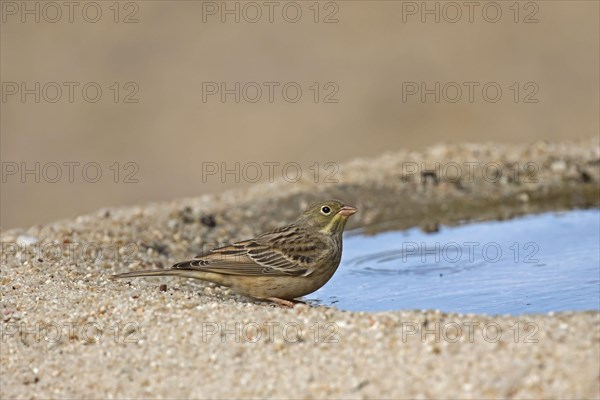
x=284, y=303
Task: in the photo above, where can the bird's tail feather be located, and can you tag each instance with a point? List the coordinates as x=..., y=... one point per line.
x=157, y=272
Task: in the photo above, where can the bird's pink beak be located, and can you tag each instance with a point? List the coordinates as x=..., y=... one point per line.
x=347, y=211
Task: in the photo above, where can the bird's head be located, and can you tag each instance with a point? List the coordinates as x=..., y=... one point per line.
x=328, y=217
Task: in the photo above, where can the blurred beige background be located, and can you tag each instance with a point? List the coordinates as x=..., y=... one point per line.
x=368, y=56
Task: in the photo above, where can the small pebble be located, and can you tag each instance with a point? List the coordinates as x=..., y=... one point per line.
x=26, y=240
x=209, y=221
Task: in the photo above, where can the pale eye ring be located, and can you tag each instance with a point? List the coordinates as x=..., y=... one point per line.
x=325, y=210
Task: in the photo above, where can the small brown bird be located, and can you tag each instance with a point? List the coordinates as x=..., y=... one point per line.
x=280, y=265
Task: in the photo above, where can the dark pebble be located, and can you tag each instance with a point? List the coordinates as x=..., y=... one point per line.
x=208, y=220
x=429, y=177
x=585, y=177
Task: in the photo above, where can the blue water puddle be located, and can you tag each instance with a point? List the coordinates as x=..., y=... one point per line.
x=533, y=264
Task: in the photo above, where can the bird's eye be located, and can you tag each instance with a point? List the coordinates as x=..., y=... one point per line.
x=325, y=210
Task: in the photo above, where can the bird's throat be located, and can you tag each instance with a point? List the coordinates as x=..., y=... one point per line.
x=336, y=224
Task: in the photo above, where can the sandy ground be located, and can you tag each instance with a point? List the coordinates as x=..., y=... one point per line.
x=69, y=332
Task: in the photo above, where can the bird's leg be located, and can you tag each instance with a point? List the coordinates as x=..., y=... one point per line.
x=281, y=302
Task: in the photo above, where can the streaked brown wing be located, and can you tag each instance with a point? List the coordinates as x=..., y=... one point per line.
x=289, y=250
x=254, y=257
